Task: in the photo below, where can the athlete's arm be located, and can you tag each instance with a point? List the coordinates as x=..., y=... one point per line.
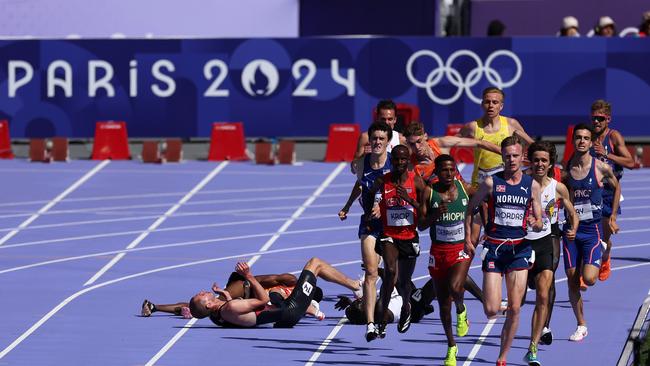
x=562, y=193
x=608, y=175
x=452, y=141
x=537, y=224
x=368, y=211
x=261, y=296
x=354, y=194
x=223, y=294
x=468, y=130
x=621, y=155
x=484, y=190
x=519, y=131
x=361, y=145
x=424, y=193
x=469, y=189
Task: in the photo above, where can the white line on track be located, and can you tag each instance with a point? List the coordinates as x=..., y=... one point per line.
x=314, y=357
x=264, y=248
x=184, y=227
x=64, y=240
x=158, y=222
x=94, y=255
x=121, y=211
x=56, y=200
x=173, y=194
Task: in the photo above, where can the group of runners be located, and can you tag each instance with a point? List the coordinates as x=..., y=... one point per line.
x=407, y=182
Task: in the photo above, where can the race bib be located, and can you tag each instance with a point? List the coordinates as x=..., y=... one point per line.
x=450, y=233
x=432, y=260
x=509, y=216
x=583, y=209
x=400, y=216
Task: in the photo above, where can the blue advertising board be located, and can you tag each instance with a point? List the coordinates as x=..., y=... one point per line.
x=297, y=87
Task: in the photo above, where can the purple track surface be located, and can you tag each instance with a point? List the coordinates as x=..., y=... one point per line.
x=81, y=248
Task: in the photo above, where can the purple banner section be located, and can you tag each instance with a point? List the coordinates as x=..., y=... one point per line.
x=298, y=87
x=149, y=18
x=544, y=17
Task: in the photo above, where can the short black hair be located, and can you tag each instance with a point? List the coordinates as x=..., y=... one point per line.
x=583, y=126
x=380, y=126
x=441, y=159
x=549, y=147
x=386, y=104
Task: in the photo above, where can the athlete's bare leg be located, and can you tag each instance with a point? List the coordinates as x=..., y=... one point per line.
x=516, y=285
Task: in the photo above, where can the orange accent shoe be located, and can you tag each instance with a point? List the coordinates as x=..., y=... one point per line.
x=605, y=269
x=583, y=285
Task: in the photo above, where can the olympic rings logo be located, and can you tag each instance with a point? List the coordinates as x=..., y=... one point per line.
x=445, y=69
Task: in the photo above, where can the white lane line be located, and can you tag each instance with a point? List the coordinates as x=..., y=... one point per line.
x=64, y=240
x=173, y=194
x=166, y=246
x=264, y=248
x=314, y=357
x=490, y=323
x=158, y=222
x=123, y=212
x=56, y=200
x=480, y=341
x=184, y=227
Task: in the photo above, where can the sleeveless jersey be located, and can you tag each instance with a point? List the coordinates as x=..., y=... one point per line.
x=549, y=211
x=369, y=176
x=450, y=226
x=587, y=196
x=399, y=217
x=508, y=208
x=608, y=145
x=486, y=162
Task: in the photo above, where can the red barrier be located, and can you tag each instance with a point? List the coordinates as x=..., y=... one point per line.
x=151, y=152
x=264, y=153
x=460, y=154
x=60, y=149
x=287, y=152
x=111, y=141
x=38, y=151
x=174, y=150
x=342, y=142
x=568, y=145
x=227, y=142
x=5, y=141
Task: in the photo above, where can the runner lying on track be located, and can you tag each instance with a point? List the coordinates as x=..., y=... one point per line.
x=238, y=287
x=263, y=307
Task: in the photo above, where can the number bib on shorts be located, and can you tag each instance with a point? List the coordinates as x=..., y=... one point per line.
x=452, y=233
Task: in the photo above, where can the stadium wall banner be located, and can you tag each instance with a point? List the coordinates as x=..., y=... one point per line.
x=298, y=87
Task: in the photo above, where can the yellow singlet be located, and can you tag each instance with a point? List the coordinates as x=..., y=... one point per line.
x=485, y=162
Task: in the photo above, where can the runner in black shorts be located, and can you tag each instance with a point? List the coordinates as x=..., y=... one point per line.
x=541, y=276
x=402, y=193
x=257, y=310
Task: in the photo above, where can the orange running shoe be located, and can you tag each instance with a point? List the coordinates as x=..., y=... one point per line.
x=605, y=269
x=583, y=285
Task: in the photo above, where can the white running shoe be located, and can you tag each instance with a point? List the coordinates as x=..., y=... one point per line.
x=579, y=334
